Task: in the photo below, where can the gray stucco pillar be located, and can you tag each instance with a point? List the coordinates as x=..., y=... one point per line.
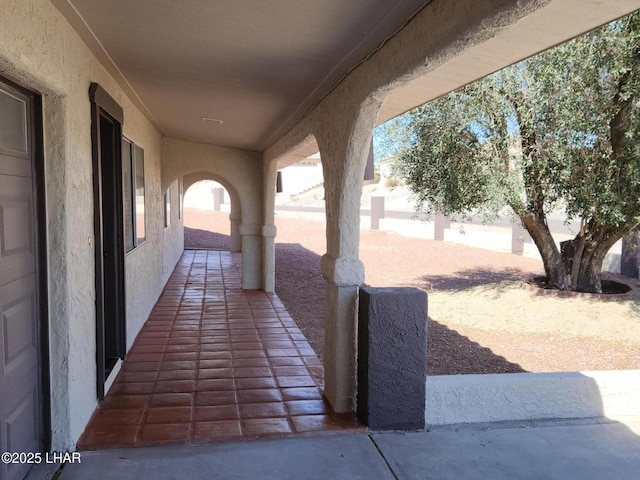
x=392, y=358
x=344, y=140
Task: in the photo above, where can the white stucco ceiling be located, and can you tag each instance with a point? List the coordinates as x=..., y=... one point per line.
x=554, y=23
x=257, y=65
x=260, y=65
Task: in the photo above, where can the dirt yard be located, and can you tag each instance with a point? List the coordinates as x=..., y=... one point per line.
x=481, y=320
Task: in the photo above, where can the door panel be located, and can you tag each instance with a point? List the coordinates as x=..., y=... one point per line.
x=14, y=140
x=19, y=335
x=19, y=366
x=17, y=255
x=20, y=418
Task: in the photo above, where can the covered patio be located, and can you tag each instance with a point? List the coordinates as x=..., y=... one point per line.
x=114, y=108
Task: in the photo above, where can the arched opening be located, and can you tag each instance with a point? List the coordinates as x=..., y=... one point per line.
x=300, y=244
x=211, y=213
x=206, y=207
x=481, y=319
x=469, y=343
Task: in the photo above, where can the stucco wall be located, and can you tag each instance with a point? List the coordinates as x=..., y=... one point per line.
x=39, y=50
x=143, y=268
x=300, y=178
x=453, y=399
x=173, y=235
x=242, y=169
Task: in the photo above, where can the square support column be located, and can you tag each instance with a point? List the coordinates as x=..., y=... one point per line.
x=251, y=256
x=235, y=220
x=392, y=358
x=344, y=277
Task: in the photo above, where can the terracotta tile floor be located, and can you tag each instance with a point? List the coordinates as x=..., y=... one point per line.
x=214, y=362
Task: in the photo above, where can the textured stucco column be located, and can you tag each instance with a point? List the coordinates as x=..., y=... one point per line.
x=235, y=239
x=344, y=277
x=251, y=256
x=344, y=139
x=270, y=174
x=269, y=257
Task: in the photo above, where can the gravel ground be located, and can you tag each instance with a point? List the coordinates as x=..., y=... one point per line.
x=480, y=319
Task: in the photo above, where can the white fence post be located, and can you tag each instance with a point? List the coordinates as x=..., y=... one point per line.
x=441, y=223
x=218, y=198
x=519, y=236
x=377, y=212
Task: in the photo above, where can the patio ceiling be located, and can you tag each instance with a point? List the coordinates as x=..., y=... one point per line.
x=256, y=65
x=259, y=66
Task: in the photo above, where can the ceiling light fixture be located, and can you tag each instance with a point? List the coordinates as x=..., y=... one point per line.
x=214, y=120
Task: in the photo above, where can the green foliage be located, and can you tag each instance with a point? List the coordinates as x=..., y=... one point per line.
x=563, y=126
x=561, y=129
x=390, y=137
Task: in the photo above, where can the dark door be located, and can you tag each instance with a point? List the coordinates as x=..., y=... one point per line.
x=21, y=424
x=109, y=232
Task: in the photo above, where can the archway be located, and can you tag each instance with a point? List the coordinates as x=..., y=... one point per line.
x=206, y=208
x=212, y=213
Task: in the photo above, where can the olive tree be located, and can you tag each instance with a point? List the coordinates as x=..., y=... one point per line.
x=559, y=130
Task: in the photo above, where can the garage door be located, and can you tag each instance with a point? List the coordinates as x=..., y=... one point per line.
x=20, y=429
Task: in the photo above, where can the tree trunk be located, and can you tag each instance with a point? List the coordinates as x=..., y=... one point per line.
x=583, y=257
x=554, y=267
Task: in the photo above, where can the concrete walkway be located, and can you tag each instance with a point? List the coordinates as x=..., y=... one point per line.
x=594, y=449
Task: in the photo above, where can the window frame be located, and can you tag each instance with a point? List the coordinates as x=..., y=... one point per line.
x=180, y=198
x=167, y=208
x=132, y=153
